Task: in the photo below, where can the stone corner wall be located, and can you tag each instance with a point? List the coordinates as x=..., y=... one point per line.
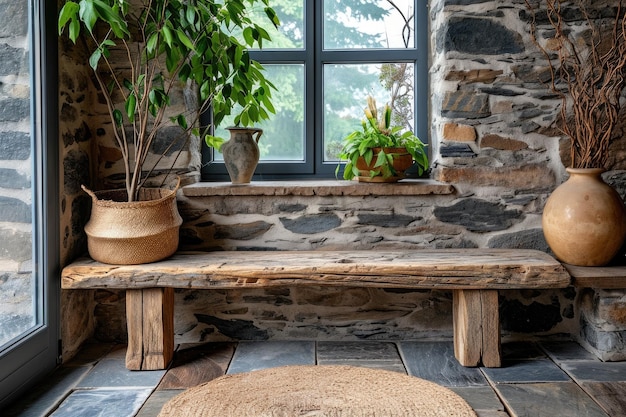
x=493, y=126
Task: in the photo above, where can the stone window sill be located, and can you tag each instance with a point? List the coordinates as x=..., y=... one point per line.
x=318, y=188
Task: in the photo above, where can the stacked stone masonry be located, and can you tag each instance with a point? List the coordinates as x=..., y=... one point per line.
x=492, y=138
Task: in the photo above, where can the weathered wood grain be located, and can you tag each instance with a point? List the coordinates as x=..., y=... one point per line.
x=604, y=277
x=150, y=321
x=467, y=326
x=475, y=275
x=490, y=319
x=444, y=269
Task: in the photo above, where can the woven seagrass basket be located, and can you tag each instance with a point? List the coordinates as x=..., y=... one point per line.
x=125, y=233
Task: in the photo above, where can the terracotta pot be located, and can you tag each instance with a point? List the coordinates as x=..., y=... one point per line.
x=126, y=233
x=584, y=219
x=402, y=160
x=241, y=153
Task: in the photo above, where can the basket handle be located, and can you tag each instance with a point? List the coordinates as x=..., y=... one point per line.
x=88, y=191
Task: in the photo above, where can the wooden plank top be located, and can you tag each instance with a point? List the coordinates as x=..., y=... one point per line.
x=606, y=277
x=444, y=268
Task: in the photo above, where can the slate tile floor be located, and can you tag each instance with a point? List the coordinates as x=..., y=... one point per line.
x=550, y=379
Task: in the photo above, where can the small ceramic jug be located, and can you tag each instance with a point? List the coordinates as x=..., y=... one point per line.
x=241, y=153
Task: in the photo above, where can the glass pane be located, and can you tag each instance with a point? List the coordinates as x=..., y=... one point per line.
x=283, y=134
x=290, y=33
x=350, y=24
x=346, y=87
x=17, y=289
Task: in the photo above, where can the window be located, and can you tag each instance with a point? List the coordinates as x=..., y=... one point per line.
x=324, y=59
x=29, y=259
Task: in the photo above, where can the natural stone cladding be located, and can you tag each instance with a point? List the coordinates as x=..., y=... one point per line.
x=493, y=144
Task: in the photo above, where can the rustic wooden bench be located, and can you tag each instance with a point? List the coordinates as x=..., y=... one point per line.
x=473, y=275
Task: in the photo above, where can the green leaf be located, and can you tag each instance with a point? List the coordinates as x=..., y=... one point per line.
x=271, y=14
x=368, y=155
x=167, y=35
x=112, y=17
x=152, y=43
x=74, y=30
x=182, y=121
x=191, y=14
x=184, y=39
x=205, y=90
x=95, y=58
x=67, y=14
x=253, y=113
x=214, y=142
x=263, y=34
x=245, y=119
x=117, y=117
x=130, y=107
x=248, y=36
x=87, y=14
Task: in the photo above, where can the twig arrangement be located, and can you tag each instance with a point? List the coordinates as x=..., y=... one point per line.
x=588, y=73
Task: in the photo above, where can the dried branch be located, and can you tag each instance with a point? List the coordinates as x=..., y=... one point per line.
x=591, y=65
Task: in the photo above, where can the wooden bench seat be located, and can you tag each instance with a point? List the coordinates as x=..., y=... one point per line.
x=473, y=275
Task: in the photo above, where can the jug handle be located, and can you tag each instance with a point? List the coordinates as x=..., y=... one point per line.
x=258, y=132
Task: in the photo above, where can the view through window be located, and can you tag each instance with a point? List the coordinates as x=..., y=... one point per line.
x=325, y=59
x=18, y=292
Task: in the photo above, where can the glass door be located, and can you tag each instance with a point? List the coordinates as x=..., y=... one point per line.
x=29, y=243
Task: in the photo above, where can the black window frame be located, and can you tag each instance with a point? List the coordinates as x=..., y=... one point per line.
x=314, y=57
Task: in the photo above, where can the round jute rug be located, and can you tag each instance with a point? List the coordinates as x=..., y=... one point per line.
x=329, y=391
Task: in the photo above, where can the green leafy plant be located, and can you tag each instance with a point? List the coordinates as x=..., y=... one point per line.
x=378, y=133
x=168, y=45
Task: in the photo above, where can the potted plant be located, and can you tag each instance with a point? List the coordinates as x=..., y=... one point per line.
x=584, y=219
x=165, y=46
x=379, y=152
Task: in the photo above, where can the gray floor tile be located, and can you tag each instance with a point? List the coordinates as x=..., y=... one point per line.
x=435, y=361
x=47, y=396
x=609, y=395
x=596, y=370
x=103, y=403
x=378, y=355
x=113, y=373
x=357, y=351
x=480, y=398
x=155, y=403
x=540, y=370
x=567, y=351
x=251, y=356
x=90, y=353
x=385, y=365
x=555, y=399
x=521, y=350
x=491, y=413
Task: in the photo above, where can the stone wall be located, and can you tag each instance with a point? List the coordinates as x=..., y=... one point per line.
x=16, y=313
x=492, y=139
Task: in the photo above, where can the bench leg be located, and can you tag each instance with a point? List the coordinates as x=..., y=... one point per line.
x=150, y=322
x=476, y=327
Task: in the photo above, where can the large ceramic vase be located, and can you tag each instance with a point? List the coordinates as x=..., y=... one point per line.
x=126, y=233
x=241, y=153
x=584, y=219
x=402, y=160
